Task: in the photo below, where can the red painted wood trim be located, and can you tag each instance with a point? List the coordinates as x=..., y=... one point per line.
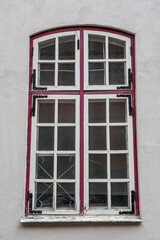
x=44, y=92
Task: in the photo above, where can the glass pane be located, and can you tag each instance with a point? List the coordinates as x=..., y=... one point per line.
x=44, y=167
x=46, y=74
x=96, y=47
x=47, y=50
x=119, y=166
x=66, y=196
x=66, y=111
x=116, y=73
x=97, y=194
x=46, y=138
x=46, y=112
x=44, y=195
x=97, y=111
x=97, y=73
x=117, y=111
x=66, y=138
x=116, y=48
x=119, y=194
x=97, y=166
x=66, y=167
x=118, y=138
x=67, y=48
x=97, y=138
x=66, y=74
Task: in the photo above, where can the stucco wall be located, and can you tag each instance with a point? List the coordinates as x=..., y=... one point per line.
x=18, y=20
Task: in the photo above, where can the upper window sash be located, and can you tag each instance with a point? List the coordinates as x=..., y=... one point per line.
x=107, y=59
x=55, y=56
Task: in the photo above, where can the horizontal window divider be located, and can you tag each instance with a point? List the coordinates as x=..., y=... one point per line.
x=97, y=180
x=56, y=92
x=107, y=151
x=107, y=91
x=66, y=61
x=65, y=180
x=66, y=124
x=65, y=152
x=53, y=180
x=118, y=124
x=45, y=124
x=38, y=152
x=46, y=61
x=117, y=60
x=96, y=124
x=119, y=180
x=44, y=180
x=97, y=60
x=118, y=151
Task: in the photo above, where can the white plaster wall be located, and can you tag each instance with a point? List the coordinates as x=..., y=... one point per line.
x=18, y=20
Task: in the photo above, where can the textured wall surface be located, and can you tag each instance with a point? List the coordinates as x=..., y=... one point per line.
x=18, y=20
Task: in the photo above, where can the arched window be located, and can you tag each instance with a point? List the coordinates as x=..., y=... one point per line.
x=81, y=133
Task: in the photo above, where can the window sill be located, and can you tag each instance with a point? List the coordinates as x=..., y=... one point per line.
x=81, y=219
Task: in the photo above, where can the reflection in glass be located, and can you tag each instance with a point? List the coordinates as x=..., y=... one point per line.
x=66, y=138
x=119, y=194
x=97, y=111
x=46, y=138
x=67, y=48
x=116, y=48
x=97, y=194
x=47, y=50
x=66, y=196
x=46, y=112
x=66, y=167
x=97, y=166
x=66, y=74
x=46, y=74
x=117, y=111
x=118, y=138
x=97, y=73
x=44, y=195
x=96, y=47
x=97, y=138
x=119, y=166
x=116, y=73
x=66, y=111
x=44, y=167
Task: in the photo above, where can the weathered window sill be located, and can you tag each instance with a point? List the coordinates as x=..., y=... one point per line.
x=80, y=219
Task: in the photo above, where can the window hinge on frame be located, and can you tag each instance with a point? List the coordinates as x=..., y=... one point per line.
x=30, y=197
x=129, y=96
x=33, y=109
x=78, y=44
x=133, y=200
x=130, y=78
x=33, y=77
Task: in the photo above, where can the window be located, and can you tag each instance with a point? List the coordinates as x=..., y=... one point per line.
x=81, y=133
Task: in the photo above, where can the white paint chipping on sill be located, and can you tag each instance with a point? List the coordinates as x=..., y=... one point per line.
x=89, y=219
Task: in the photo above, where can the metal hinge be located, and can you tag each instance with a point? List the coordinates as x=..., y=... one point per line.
x=129, y=96
x=129, y=81
x=133, y=200
x=78, y=44
x=30, y=197
x=33, y=77
x=33, y=109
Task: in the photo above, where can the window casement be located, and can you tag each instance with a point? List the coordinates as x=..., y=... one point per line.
x=82, y=157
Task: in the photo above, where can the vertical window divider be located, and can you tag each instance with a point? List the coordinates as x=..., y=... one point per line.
x=56, y=61
x=106, y=61
x=55, y=153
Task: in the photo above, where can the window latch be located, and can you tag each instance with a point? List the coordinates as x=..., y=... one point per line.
x=33, y=109
x=130, y=102
x=133, y=199
x=78, y=44
x=30, y=197
x=130, y=79
x=33, y=77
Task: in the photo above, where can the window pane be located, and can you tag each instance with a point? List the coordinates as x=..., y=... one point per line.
x=97, y=166
x=66, y=167
x=116, y=48
x=97, y=138
x=47, y=50
x=46, y=73
x=97, y=111
x=97, y=73
x=66, y=111
x=119, y=166
x=44, y=167
x=66, y=196
x=96, y=47
x=44, y=195
x=67, y=48
x=46, y=112
x=118, y=138
x=117, y=111
x=46, y=138
x=66, y=74
x=119, y=194
x=97, y=194
x=66, y=138
x=116, y=73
